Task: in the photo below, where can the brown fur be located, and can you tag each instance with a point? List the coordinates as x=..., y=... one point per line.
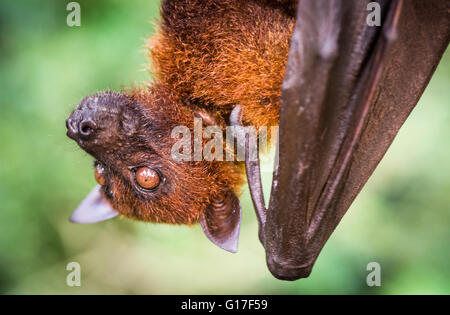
x=218, y=54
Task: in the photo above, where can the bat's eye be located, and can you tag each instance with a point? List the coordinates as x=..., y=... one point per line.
x=99, y=174
x=147, y=178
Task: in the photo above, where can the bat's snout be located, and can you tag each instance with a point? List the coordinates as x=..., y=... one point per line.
x=90, y=128
x=100, y=121
x=79, y=127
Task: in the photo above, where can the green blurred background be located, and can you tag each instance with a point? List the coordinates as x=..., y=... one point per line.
x=401, y=219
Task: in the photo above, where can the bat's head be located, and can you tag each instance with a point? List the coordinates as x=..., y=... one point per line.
x=130, y=137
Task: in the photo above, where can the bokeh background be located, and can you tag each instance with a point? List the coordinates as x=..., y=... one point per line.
x=401, y=219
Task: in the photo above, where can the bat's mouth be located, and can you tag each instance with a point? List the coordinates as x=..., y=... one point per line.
x=71, y=134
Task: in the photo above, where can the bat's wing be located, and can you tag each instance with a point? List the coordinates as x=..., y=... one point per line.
x=348, y=89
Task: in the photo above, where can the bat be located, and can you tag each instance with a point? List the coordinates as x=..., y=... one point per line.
x=200, y=70
x=315, y=67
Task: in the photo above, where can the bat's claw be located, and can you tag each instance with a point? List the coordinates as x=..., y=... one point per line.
x=252, y=168
x=236, y=116
x=238, y=130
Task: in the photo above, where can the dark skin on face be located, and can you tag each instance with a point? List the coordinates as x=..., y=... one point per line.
x=117, y=138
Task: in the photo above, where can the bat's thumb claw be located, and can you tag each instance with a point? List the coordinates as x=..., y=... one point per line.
x=236, y=116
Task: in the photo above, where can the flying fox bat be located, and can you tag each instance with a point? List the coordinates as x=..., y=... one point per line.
x=340, y=88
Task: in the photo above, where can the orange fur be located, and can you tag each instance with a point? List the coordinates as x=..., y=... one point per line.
x=235, y=58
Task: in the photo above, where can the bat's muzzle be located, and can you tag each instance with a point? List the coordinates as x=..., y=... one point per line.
x=101, y=121
x=80, y=127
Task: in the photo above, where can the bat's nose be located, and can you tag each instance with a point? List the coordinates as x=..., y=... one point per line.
x=86, y=128
x=79, y=127
x=99, y=119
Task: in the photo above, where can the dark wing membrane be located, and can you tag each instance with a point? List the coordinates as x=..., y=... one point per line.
x=348, y=89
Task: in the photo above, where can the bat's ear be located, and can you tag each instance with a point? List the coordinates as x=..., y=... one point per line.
x=221, y=222
x=94, y=208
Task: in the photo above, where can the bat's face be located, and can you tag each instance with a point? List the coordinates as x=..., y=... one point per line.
x=130, y=139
